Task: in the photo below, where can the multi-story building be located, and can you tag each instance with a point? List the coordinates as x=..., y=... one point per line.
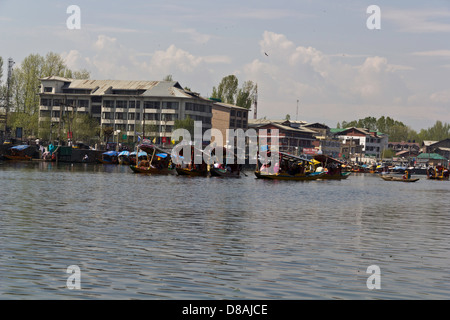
x=293, y=140
x=227, y=116
x=126, y=106
x=373, y=143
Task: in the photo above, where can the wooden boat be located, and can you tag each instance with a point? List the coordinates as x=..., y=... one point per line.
x=438, y=173
x=109, y=157
x=18, y=153
x=298, y=177
x=185, y=167
x=289, y=167
x=157, y=161
x=222, y=168
x=332, y=167
x=124, y=158
x=400, y=179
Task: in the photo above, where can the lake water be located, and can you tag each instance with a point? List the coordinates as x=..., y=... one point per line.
x=173, y=237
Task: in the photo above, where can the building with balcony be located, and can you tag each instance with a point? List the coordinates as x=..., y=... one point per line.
x=129, y=107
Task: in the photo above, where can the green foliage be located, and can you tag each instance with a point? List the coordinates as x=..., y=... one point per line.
x=288, y=117
x=25, y=85
x=398, y=131
x=186, y=123
x=228, y=92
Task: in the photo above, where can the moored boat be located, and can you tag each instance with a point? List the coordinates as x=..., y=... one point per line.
x=18, y=153
x=185, y=167
x=124, y=158
x=109, y=157
x=156, y=161
x=332, y=167
x=288, y=167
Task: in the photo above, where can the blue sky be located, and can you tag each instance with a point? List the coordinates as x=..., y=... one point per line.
x=318, y=52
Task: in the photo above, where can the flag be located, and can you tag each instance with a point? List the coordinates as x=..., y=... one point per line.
x=154, y=140
x=139, y=138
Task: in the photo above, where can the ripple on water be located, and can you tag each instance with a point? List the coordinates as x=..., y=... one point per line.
x=170, y=237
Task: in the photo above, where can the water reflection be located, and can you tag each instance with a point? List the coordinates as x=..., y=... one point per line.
x=171, y=237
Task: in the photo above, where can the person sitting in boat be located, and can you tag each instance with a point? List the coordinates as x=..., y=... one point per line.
x=407, y=175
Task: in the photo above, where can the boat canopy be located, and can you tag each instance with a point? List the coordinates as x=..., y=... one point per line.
x=162, y=155
x=111, y=153
x=326, y=159
x=124, y=153
x=20, y=148
x=150, y=148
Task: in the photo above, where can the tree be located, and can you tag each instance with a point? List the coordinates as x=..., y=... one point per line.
x=227, y=89
x=107, y=132
x=25, y=85
x=288, y=117
x=228, y=92
x=246, y=95
x=186, y=123
x=168, y=78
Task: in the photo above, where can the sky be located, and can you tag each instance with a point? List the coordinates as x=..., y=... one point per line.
x=318, y=61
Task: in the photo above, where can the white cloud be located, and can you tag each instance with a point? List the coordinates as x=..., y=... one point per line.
x=419, y=20
x=196, y=36
x=326, y=86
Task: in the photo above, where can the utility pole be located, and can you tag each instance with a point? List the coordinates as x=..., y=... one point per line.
x=255, y=98
x=8, y=93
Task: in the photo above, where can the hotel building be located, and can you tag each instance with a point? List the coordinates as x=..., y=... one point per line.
x=124, y=106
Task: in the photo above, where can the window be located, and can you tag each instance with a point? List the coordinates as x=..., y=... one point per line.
x=46, y=102
x=131, y=127
x=55, y=114
x=57, y=102
x=96, y=109
x=107, y=115
x=233, y=113
x=151, y=116
x=96, y=99
x=170, y=105
x=48, y=89
x=121, y=115
x=83, y=103
x=238, y=114
x=71, y=102
x=121, y=104
x=151, y=105
x=44, y=114
x=108, y=103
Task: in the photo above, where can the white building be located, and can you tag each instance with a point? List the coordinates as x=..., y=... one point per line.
x=124, y=105
x=373, y=143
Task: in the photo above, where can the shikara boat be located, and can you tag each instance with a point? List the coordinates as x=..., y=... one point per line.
x=289, y=167
x=400, y=179
x=332, y=167
x=124, y=158
x=223, y=167
x=185, y=167
x=438, y=173
x=109, y=157
x=157, y=161
x=18, y=153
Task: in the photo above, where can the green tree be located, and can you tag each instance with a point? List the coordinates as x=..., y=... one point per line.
x=25, y=86
x=288, y=117
x=227, y=89
x=186, y=123
x=168, y=78
x=246, y=95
